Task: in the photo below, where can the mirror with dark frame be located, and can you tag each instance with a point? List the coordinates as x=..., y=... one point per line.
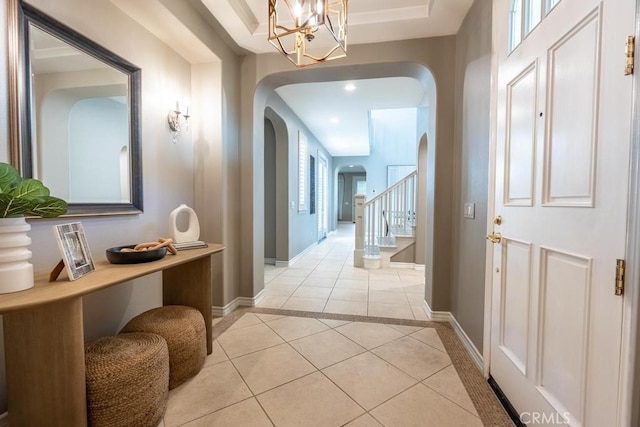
x=77, y=117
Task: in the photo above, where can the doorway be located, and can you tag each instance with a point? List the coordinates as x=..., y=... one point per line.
x=351, y=179
x=323, y=190
x=270, y=192
x=556, y=324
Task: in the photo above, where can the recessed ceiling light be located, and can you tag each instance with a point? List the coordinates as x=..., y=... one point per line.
x=335, y=120
x=350, y=87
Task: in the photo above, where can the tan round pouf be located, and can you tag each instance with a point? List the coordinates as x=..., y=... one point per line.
x=183, y=329
x=127, y=380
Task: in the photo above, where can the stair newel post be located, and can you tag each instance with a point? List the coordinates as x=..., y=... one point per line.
x=359, y=247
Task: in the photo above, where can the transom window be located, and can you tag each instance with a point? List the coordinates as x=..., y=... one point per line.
x=524, y=16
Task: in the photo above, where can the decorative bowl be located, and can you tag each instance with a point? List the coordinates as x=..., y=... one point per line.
x=115, y=256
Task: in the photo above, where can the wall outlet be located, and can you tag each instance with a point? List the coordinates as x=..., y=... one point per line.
x=470, y=210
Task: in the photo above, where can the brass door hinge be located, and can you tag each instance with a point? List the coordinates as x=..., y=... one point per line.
x=630, y=53
x=620, y=265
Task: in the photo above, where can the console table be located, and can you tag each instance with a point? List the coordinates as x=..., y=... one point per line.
x=44, y=333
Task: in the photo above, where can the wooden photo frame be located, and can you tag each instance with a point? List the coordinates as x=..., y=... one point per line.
x=74, y=249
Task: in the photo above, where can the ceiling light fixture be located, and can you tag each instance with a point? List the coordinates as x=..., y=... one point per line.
x=350, y=87
x=308, y=32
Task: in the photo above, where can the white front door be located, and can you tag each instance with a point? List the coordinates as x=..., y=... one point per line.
x=562, y=158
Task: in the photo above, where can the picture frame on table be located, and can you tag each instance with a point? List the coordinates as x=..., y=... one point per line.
x=74, y=249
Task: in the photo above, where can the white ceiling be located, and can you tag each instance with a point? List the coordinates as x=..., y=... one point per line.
x=369, y=21
x=340, y=118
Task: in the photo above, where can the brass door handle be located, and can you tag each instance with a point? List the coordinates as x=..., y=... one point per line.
x=495, y=237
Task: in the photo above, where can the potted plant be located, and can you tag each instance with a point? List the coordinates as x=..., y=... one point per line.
x=19, y=198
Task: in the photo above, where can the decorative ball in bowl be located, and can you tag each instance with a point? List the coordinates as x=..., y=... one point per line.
x=115, y=255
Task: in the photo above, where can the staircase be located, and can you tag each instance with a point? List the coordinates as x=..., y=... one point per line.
x=385, y=225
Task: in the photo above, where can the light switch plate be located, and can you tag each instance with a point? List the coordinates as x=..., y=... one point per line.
x=470, y=210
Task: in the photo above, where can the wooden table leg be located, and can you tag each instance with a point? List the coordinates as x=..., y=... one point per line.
x=190, y=284
x=44, y=352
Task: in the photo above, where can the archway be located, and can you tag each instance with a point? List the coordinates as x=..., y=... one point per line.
x=276, y=178
x=266, y=86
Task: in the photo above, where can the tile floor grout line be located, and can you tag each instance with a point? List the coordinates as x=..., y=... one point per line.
x=265, y=411
x=279, y=385
x=451, y=400
x=344, y=391
x=385, y=401
x=218, y=410
x=427, y=344
x=285, y=383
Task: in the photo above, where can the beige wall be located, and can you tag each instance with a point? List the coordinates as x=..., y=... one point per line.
x=473, y=74
x=216, y=88
x=170, y=171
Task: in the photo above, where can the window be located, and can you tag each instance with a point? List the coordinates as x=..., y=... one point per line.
x=312, y=185
x=361, y=187
x=302, y=172
x=533, y=15
x=515, y=24
x=551, y=4
x=524, y=16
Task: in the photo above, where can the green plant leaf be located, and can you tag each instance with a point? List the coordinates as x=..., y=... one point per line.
x=12, y=207
x=9, y=178
x=20, y=197
x=49, y=207
x=30, y=189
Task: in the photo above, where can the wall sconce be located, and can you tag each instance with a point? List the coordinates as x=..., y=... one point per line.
x=178, y=122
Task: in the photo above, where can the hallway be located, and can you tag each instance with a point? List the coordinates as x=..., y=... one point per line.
x=324, y=280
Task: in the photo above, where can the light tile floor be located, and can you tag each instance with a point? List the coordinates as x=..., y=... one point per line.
x=273, y=370
x=324, y=280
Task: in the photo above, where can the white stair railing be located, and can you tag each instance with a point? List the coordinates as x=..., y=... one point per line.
x=389, y=214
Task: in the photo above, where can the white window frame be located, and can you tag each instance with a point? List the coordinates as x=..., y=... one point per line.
x=525, y=28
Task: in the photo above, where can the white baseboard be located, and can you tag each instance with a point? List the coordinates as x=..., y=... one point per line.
x=223, y=311
x=408, y=265
x=238, y=302
x=476, y=356
x=402, y=265
x=252, y=302
x=436, y=316
x=270, y=261
x=295, y=258
x=446, y=316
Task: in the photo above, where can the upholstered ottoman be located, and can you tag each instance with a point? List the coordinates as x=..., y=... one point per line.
x=127, y=380
x=184, y=330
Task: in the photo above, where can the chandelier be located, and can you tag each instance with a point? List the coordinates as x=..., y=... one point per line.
x=308, y=32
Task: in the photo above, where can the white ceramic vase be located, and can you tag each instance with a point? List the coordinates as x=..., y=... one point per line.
x=16, y=272
x=192, y=233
